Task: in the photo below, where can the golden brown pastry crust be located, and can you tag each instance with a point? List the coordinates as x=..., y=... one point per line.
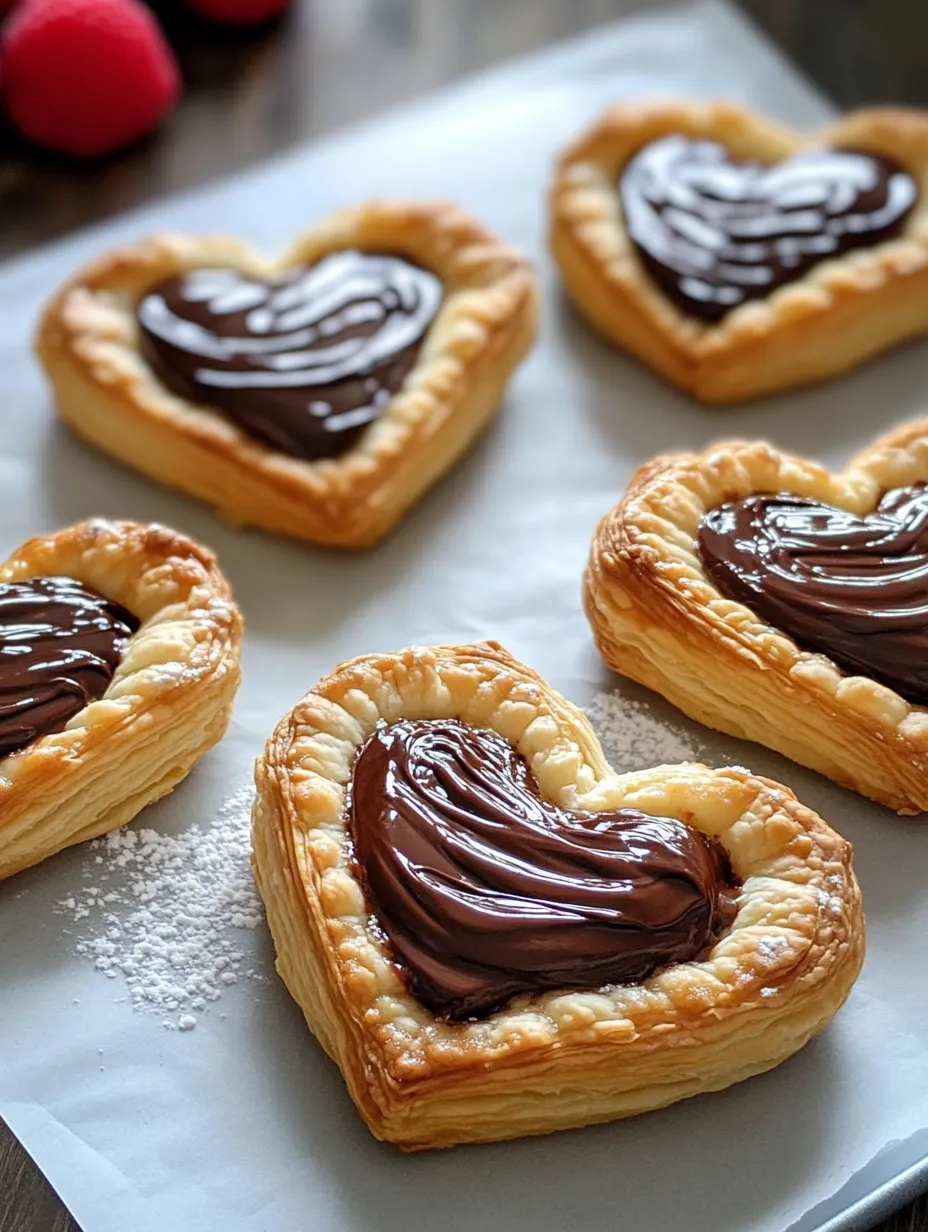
x=658, y=618
x=168, y=702
x=839, y=313
x=554, y=1060
x=87, y=341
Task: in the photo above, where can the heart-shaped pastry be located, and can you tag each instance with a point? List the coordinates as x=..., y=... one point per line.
x=737, y=257
x=317, y=396
x=119, y=660
x=494, y=934
x=773, y=600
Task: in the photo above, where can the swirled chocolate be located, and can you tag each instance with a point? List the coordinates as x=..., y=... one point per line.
x=303, y=361
x=853, y=588
x=483, y=889
x=60, y=643
x=714, y=232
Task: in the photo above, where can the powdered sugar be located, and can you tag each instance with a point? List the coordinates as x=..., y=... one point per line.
x=166, y=913
x=634, y=739
x=771, y=945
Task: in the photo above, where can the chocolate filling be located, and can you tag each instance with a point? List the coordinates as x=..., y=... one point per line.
x=853, y=588
x=714, y=232
x=60, y=643
x=483, y=889
x=304, y=361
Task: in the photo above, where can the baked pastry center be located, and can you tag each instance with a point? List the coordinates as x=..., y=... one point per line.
x=60, y=643
x=303, y=361
x=483, y=889
x=854, y=588
x=715, y=233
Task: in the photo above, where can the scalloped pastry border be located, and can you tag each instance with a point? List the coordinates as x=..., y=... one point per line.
x=657, y=617
x=554, y=1060
x=87, y=342
x=167, y=703
x=838, y=314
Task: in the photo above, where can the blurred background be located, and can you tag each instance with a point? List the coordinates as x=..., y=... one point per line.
x=251, y=90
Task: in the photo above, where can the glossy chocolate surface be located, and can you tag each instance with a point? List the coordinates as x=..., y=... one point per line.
x=853, y=588
x=303, y=361
x=60, y=643
x=482, y=889
x=715, y=233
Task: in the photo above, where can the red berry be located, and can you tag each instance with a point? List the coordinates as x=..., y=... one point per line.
x=86, y=77
x=238, y=12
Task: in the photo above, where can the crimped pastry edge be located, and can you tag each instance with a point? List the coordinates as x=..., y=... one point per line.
x=839, y=313
x=168, y=702
x=87, y=342
x=554, y=1060
x=657, y=617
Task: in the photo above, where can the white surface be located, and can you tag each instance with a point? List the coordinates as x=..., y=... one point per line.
x=242, y=1123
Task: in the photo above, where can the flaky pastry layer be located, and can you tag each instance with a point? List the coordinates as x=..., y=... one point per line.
x=838, y=314
x=658, y=618
x=168, y=702
x=562, y=1059
x=88, y=343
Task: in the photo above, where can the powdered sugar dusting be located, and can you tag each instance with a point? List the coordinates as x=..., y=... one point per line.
x=636, y=740
x=166, y=913
x=771, y=945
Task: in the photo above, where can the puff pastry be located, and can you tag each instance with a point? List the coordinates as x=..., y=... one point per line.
x=89, y=343
x=658, y=617
x=559, y=1058
x=844, y=306
x=167, y=702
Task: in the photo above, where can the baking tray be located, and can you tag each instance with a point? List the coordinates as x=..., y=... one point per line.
x=242, y=1123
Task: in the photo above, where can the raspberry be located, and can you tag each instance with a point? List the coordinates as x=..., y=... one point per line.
x=238, y=12
x=86, y=77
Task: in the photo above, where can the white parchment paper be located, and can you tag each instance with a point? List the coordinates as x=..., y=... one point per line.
x=243, y=1123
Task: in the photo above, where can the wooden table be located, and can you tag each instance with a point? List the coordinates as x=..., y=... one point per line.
x=330, y=63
